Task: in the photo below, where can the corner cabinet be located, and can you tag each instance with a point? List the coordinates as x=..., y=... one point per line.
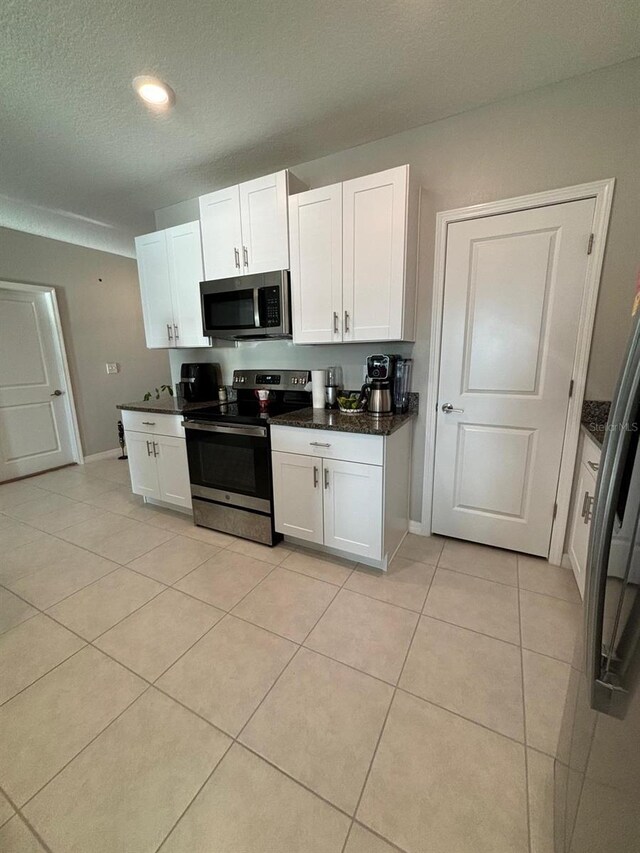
x=582, y=508
x=245, y=228
x=347, y=493
x=170, y=271
x=353, y=253
x=157, y=452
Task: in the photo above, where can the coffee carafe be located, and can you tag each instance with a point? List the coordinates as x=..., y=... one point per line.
x=378, y=397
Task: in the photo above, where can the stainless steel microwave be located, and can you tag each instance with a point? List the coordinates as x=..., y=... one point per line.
x=249, y=306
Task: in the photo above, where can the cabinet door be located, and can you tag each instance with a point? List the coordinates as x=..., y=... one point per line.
x=580, y=524
x=221, y=233
x=353, y=507
x=315, y=219
x=142, y=464
x=155, y=289
x=173, y=470
x=375, y=220
x=297, y=495
x=265, y=229
x=184, y=253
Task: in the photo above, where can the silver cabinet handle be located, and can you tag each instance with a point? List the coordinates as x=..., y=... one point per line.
x=57, y=393
x=346, y=321
x=447, y=408
x=588, y=512
x=245, y=255
x=335, y=322
x=593, y=465
x=169, y=335
x=326, y=478
x=148, y=423
x=318, y=444
x=175, y=331
x=148, y=448
x=237, y=257
x=315, y=476
x=155, y=448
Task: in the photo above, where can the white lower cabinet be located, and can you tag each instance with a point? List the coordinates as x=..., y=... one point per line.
x=158, y=463
x=321, y=496
x=353, y=506
x=582, y=508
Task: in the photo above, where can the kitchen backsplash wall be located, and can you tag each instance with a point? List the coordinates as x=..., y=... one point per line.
x=285, y=355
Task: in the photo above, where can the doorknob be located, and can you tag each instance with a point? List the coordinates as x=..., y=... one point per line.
x=57, y=393
x=447, y=408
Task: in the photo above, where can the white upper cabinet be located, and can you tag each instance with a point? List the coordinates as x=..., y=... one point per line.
x=353, y=260
x=170, y=271
x=155, y=288
x=265, y=234
x=184, y=252
x=245, y=229
x=221, y=233
x=315, y=222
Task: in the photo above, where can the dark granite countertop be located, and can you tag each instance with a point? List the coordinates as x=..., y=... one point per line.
x=594, y=418
x=335, y=421
x=166, y=406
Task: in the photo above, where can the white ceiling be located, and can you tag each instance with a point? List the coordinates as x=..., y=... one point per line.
x=260, y=84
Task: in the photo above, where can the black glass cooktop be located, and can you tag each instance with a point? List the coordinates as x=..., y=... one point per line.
x=248, y=411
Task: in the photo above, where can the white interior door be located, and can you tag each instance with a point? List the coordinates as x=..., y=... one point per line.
x=35, y=413
x=316, y=265
x=514, y=285
x=265, y=231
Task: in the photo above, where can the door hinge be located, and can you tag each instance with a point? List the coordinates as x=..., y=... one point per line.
x=571, y=389
x=555, y=511
x=592, y=237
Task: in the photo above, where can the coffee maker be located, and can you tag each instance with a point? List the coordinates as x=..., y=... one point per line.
x=394, y=370
x=199, y=382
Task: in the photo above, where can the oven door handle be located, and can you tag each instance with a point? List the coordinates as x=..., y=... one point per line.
x=232, y=430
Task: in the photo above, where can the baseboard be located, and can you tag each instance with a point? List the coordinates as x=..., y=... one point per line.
x=106, y=454
x=415, y=527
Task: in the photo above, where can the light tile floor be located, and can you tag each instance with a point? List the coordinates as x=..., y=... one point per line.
x=166, y=687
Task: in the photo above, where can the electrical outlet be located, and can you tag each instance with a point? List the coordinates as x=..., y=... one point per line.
x=113, y=367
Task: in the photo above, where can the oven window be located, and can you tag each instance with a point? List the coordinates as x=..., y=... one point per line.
x=232, y=309
x=231, y=463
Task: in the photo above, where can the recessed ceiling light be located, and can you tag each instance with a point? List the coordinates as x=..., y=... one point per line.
x=154, y=92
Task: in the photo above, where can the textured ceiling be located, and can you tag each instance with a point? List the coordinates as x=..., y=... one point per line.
x=260, y=84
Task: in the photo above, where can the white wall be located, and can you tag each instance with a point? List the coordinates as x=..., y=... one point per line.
x=581, y=130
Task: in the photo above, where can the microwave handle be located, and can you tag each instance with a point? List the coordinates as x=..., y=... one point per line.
x=256, y=308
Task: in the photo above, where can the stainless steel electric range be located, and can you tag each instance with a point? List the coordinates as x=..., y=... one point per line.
x=229, y=453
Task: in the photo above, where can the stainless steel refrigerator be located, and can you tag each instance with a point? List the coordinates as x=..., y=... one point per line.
x=597, y=772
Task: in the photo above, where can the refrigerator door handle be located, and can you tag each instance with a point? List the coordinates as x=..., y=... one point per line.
x=609, y=690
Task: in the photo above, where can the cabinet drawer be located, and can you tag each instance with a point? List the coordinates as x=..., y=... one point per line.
x=156, y=424
x=328, y=445
x=590, y=456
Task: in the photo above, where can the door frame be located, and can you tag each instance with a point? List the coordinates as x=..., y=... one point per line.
x=602, y=192
x=61, y=354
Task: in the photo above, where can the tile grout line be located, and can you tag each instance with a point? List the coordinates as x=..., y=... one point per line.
x=384, y=722
x=20, y=816
x=235, y=740
x=524, y=719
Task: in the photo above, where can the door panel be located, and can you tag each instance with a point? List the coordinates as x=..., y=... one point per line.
x=297, y=495
x=142, y=464
x=265, y=231
x=375, y=219
x=184, y=252
x=155, y=289
x=513, y=292
x=353, y=507
x=221, y=233
x=173, y=470
x=35, y=423
x=316, y=265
